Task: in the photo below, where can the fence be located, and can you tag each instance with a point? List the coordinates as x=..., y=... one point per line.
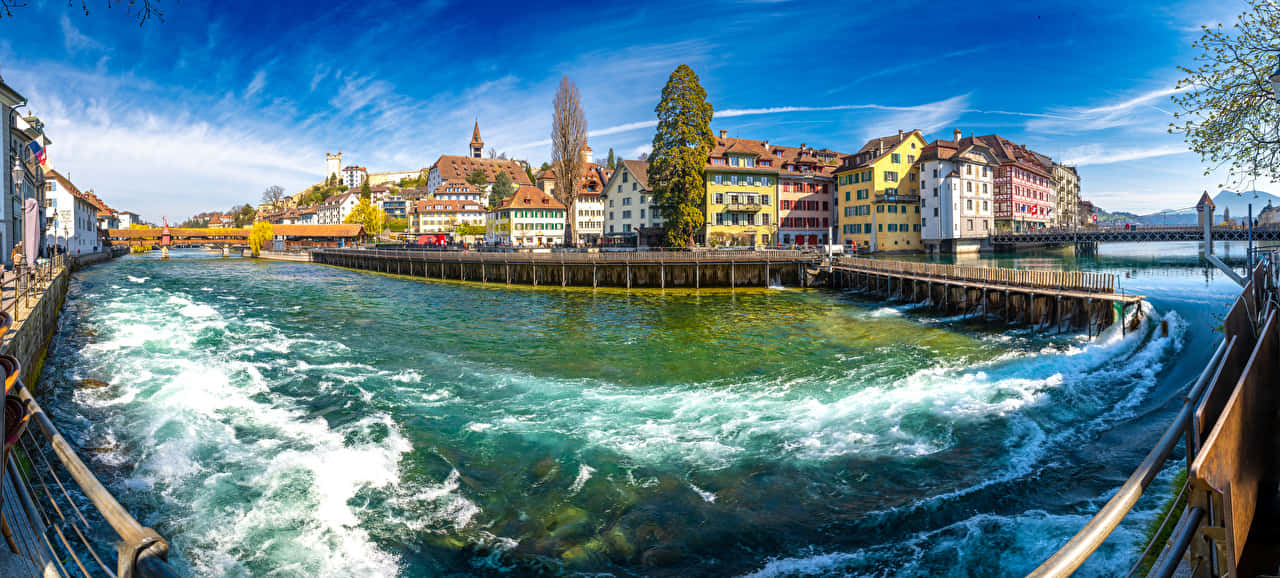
x=59, y=518
x=1225, y=424
x=573, y=257
x=1047, y=280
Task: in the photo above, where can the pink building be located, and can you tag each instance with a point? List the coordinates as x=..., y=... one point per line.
x=1024, y=197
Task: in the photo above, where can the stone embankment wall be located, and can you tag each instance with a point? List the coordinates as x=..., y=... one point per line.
x=299, y=256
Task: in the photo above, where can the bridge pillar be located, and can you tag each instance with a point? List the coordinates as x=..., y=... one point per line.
x=164, y=252
x=226, y=251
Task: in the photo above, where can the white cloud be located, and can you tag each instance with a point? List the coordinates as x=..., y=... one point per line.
x=76, y=41
x=1133, y=111
x=257, y=84
x=1096, y=154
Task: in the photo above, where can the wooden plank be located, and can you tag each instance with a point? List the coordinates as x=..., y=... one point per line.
x=1236, y=454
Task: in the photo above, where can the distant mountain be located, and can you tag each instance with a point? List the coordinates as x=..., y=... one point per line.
x=1239, y=203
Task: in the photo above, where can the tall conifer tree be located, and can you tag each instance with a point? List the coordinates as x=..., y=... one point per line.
x=678, y=161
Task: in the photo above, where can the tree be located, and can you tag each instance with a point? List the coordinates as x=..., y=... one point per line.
x=397, y=225
x=1229, y=110
x=644, y=157
x=677, y=164
x=568, y=137
x=493, y=153
x=272, y=195
x=611, y=163
x=258, y=237
x=142, y=10
x=503, y=187
x=365, y=213
x=465, y=230
x=364, y=188
x=528, y=170
x=477, y=178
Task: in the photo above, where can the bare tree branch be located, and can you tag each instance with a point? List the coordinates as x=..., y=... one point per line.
x=568, y=138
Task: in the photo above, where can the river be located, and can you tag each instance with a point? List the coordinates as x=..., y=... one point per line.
x=299, y=420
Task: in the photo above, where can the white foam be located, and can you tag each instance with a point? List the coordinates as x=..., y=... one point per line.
x=584, y=474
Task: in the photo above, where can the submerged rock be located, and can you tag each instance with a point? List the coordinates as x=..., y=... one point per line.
x=93, y=383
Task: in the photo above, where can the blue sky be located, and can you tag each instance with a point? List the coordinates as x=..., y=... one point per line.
x=223, y=99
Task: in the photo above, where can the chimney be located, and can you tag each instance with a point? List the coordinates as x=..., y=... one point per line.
x=724, y=133
x=899, y=135
x=957, y=134
x=766, y=145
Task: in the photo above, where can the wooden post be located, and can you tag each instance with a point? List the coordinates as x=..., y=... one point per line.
x=662, y=275
x=732, y=281
x=697, y=274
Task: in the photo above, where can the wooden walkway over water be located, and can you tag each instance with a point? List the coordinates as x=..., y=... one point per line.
x=1048, y=298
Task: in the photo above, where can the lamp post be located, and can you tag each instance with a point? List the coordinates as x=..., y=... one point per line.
x=16, y=173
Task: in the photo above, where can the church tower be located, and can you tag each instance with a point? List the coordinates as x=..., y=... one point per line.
x=477, y=144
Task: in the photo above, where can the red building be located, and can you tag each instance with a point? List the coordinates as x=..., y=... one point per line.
x=806, y=193
x=1024, y=197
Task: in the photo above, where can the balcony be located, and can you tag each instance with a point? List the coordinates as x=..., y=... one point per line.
x=743, y=207
x=898, y=198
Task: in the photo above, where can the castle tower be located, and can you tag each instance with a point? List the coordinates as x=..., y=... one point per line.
x=477, y=144
x=332, y=165
x=586, y=154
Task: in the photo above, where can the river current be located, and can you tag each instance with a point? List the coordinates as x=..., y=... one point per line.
x=290, y=419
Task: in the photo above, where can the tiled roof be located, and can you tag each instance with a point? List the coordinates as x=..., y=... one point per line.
x=1008, y=153
x=806, y=156
x=530, y=197
x=349, y=230
x=475, y=135
x=590, y=176
x=945, y=149
x=876, y=149
x=639, y=170
x=456, y=168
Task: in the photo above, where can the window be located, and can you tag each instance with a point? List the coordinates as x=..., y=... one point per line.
x=626, y=201
x=893, y=228
x=643, y=199
x=719, y=198
x=764, y=199
x=968, y=187
x=968, y=204
x=719, y=218
x=879, y=208
x=641, y=213
x=881, y=227
x=891, y=176
x=846, y=196
x=984, y=188
x=733, y=179
x=626, y=214
x=893, y=208
x=896, y=158
x=764, y=218
x=734, y=161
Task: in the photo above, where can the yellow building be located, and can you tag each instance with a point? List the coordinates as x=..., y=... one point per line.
x=742, y=193
x=878, y=194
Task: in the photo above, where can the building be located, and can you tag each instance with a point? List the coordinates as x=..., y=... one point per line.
x=1269, y=216
x=528, y=218
x=742, y=185
x=216, y=222
x=1024, y=196
x=628, y=204
x=353, y=176
x=806, y=193
x=437, y=216
x=335, y=209
x=957, y=194
x=589, y=208
x=389, y=201
x=27, y=148
x=1066, y=191
x=75, y=225
x=393, y=177
x=451, y=191
x=879, y=194
x=333, y=165
x=127, y=219
x=454, y=170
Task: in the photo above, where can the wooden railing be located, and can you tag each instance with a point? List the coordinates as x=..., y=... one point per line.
x=572, y=258
x=1047, y=280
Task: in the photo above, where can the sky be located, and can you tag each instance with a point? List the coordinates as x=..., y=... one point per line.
x=207, y=108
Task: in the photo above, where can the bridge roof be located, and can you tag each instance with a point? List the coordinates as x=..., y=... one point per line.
x=337, y=231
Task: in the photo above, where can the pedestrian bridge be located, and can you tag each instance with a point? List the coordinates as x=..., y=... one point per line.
x=310, y=235
x=1132, y=235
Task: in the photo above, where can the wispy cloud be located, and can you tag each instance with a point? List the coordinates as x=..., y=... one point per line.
x=1129, y=112
x=892, y=70
x=74, y=40
x=1096, y=154
x=257, y=84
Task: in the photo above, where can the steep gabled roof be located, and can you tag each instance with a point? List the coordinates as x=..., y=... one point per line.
x=877, y=148
x=639, y=170
x=530, y=197
x=456, y=168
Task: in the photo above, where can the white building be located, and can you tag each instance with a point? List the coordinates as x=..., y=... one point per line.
x=957, y=188
x=334, y=210
x=392, y=177
x=529, y=218
x=74, y=225
x=439, y=216
x=354, y=176
x=333, y=165
x=628, y=202
x=25, y=141
x=128, y=219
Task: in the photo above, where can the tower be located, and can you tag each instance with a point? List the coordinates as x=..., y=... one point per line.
x=586, y=154
x=477, y=144
x=332, y=164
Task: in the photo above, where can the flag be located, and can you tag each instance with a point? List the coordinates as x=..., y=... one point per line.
x=37, y=152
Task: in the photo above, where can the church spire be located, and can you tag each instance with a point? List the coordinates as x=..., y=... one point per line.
x=477, y=144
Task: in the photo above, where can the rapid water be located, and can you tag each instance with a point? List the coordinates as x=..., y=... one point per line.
x=289, y=419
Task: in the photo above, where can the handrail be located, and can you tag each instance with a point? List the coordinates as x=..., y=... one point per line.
x=1068, y=558
x=147, y=552
x=1050, y=280
x=657, y=257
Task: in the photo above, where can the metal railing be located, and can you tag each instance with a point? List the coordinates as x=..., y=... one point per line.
x=1046, y=280
x=66, y=520
x=1199, y=412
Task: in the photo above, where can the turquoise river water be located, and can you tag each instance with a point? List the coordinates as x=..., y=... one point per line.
x=290, y=419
